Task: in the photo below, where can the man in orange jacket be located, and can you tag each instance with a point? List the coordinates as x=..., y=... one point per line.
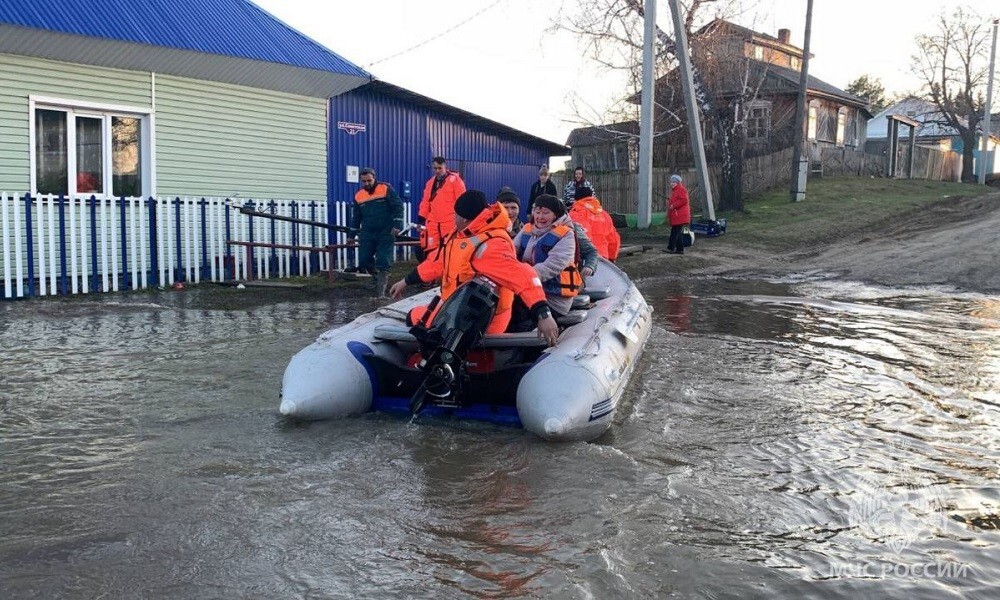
x=437, y=206
x=480, y=245
x=596, y=221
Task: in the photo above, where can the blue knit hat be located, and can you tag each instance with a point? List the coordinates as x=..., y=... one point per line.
x=675, y=178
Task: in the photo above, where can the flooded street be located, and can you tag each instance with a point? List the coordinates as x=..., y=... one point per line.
x=796, y=439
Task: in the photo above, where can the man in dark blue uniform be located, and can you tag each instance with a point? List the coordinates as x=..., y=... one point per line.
x=378, y=215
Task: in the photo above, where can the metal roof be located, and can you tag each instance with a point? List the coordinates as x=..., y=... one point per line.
x=221, y=40
x=777, y=81
x=814, y=85
x=472, y=119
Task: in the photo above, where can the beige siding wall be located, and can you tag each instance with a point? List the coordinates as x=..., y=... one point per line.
x=211, y=139
x=22, y=76
x=217, y=139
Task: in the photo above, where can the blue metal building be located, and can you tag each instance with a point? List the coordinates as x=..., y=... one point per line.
x=398, y=132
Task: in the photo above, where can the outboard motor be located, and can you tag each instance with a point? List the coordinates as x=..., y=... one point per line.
x=459, y=324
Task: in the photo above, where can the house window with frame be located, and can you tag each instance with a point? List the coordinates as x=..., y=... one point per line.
x=758, y=52
x=812, y=127
x=758, y=121
x=86, y=150
x=841, y=126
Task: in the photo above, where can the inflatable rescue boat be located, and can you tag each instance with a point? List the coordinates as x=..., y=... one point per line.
x=567, y=392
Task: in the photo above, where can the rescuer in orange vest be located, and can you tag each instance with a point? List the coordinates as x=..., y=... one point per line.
x=587, y=211
x=480, y=245
x=437, y=205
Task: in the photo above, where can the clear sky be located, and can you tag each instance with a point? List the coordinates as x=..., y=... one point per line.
x=501, y=59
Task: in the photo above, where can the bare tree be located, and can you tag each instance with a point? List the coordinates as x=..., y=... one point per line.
x=952, y=63
x=726, y=81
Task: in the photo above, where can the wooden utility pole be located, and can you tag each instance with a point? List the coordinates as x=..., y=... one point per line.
x=645, y=210
x=800, y=163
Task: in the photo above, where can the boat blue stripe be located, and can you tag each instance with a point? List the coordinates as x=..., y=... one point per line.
x=359, y=350
x=500, y=415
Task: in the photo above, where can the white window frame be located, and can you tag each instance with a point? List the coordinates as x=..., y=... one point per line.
x=812, y=121
x=83, y=108
x=841, y=137
x=758, y=104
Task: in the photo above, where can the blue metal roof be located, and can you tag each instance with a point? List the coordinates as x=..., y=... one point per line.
x=233, y=28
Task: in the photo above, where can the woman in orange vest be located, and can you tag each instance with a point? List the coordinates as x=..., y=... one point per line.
x=548, y=243
x=437, y=205
x=480, y=245
x=587, y=211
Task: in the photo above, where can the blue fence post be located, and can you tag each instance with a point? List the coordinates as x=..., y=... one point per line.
x=179, y=269
x=313, y=254
x=252, y=253
x=273, y=260
x=205, y=272
x=126, y=276
x=95, y=279
x=154, y=254
x=63, y=263
x=230, y=275
x=295, y=238
x=29, y=229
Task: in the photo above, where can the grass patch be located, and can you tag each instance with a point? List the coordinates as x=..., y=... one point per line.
x=832, y=205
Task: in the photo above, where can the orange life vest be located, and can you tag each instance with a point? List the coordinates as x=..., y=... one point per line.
x=458, y=269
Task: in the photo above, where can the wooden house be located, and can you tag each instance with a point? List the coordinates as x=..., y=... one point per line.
x=730, y=54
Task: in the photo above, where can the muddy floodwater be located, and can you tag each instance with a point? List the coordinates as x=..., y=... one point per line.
x=792, y=439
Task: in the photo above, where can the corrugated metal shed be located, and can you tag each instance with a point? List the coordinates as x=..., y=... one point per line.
x=398, y=132
x=231, y=41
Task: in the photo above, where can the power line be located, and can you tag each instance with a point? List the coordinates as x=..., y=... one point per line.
x=432, y=38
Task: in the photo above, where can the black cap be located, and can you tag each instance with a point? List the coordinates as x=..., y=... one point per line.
x=470, y=204
x=507, y=195
x=552, y=203
x=583, y=192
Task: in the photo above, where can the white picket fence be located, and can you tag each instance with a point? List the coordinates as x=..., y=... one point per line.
x=52, y=245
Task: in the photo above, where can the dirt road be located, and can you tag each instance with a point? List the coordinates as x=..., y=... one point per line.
x=954, y=242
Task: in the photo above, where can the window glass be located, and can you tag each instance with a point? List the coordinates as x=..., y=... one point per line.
x=841, y=128
x=758, y=123
x=813, y=118
x=126, y=142
x=50, y=152
x=89, y=155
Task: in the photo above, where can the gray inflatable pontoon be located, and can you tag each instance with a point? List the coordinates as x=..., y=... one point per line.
x=568, y=392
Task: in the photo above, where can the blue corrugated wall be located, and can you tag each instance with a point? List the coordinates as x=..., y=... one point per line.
x=400, y=139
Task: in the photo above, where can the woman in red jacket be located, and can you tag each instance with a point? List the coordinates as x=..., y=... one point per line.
x=679, y=214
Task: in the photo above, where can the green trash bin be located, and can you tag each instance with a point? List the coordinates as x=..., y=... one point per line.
x=632, y=219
